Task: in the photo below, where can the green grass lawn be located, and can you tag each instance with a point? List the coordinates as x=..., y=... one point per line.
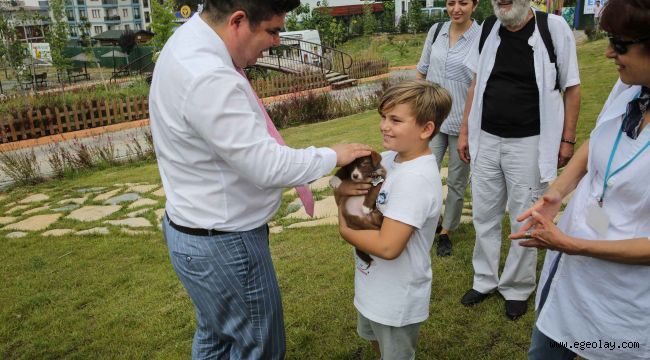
x=116, y=296
x=388, y=47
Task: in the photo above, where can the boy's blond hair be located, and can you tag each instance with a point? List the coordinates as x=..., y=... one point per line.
x=429, y=101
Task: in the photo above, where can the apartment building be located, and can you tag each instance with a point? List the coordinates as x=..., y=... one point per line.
x=30, y=18
x=105, y=15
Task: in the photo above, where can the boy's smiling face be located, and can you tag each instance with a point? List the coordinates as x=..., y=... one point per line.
x=402, y=134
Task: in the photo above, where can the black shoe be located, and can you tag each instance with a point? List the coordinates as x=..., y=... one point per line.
x=473, y=297
x=516, y=308
x=439, y=227
x=444, y=245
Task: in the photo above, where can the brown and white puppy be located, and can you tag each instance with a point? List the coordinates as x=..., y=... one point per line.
x=361, y=211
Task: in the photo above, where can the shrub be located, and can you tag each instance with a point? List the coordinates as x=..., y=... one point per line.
x=593, y=33
x=21, y=167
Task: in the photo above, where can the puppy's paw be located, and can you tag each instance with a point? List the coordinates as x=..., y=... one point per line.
x=335, y=182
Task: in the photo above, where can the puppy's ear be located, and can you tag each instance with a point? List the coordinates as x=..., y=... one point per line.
x=376, y=158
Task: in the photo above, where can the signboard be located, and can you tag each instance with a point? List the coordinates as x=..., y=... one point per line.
x=40, y=51
x=590, y=5
x=187, y=9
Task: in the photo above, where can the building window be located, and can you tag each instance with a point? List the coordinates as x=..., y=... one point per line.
x=136, y=14
x=70, y=15
x=145, y=3
x=98, y=30
x=146, y=17
x=95, y=14
x=127, y=27
x=138, y=26
x=125, y=12
x=82, y=14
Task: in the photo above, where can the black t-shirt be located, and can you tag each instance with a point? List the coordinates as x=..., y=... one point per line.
x=511, y=98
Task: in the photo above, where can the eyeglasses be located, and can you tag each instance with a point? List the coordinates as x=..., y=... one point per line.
x=620, y=46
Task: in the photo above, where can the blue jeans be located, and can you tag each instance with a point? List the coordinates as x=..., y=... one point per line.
x=231, y=281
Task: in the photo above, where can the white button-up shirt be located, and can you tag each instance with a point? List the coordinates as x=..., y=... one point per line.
x=596, y=301
x=219, y=166
x=551, y=106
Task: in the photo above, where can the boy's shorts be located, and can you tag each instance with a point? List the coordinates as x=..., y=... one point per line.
x=395, y=343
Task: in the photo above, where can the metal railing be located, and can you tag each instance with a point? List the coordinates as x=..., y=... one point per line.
x=291, y=56
x=142, y=65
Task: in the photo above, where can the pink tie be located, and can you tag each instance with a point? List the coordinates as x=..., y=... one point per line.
x=303, y=191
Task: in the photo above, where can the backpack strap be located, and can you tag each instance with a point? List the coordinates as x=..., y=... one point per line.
x=435, y=34
x=488, y=24
x=545, y=33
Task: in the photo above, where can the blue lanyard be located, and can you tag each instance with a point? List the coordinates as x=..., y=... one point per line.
x=609, y=163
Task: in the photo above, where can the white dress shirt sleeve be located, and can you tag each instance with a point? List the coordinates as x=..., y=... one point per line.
x=237, y=133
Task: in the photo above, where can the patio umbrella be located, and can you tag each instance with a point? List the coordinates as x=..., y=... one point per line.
x=85, y=58
x=114, y=54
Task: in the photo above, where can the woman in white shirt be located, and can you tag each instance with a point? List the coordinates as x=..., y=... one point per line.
x=445, y=49
x=593, y=298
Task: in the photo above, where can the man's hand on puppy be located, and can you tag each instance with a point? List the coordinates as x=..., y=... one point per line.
x=346, y=153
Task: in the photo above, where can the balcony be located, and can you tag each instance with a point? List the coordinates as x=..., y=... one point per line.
x=112, y=18
x=81, y=2
x=109, y=2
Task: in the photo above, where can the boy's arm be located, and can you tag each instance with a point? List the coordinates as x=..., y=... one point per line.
x=386, y=243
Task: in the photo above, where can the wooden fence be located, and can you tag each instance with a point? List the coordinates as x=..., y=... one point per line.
x=366, y=68
x=288, y=83
x=35, y=123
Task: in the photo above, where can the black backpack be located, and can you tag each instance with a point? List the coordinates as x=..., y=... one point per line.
x=542, y=24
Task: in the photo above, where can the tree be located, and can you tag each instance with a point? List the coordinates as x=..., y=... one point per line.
x=414, y=15
x=58, y=38
x=127, y=42
x=12, y=51
x=162, y=23
x=86, y=43
x=369, y=20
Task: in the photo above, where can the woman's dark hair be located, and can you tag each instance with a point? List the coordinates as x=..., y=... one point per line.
x=256, y=10
x=627, y=18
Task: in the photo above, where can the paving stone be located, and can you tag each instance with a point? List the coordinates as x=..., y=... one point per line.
x=16, y=235
x=57, y=232
x=134, y=232
x=38, y=209
x=159, y=214
x=137, y=212
x=320, y=184
x=91, y=190
x=122, y=198
x=2, y=197
x=7, y=219
x=294, y=206
x=322, y=209
x=16, y=208
x=142, y=202
x=93, y=212
x=107, y=195
x=67, y=208
x=142, y=188
x=331, y=220
x=466, y=219
x=130, y=222
x=10, y=204
x=94, y=231
x=160, y=192
x=34, y=198
x=276, y=229
x=34, y=223
x=77, y=201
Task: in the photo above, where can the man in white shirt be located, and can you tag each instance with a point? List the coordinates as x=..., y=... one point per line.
x=517, y=131
x=224, y=172
x=597, y=9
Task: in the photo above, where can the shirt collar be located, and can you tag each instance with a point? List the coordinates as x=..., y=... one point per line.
x=215, y=42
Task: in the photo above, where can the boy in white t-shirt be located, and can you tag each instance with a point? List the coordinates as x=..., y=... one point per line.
x=392, y=293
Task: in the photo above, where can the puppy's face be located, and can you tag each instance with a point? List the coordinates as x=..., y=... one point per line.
x=364, y=169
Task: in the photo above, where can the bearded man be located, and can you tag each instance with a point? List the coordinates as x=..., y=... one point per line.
x=518, y=128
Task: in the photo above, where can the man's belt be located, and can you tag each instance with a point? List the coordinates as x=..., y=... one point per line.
x=195, y=232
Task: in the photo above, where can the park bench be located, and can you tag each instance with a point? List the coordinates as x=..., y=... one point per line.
x=120, y=73
x=36, y=81
x=76, y=74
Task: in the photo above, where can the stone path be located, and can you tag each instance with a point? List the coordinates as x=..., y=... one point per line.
x=134, y=209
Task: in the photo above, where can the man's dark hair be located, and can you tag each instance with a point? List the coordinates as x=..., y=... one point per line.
x=256, y=10
x=627, y=18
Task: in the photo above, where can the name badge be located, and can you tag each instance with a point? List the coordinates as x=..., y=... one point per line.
x=597, y=219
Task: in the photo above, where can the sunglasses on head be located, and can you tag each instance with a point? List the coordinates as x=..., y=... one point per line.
x=620, y=46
